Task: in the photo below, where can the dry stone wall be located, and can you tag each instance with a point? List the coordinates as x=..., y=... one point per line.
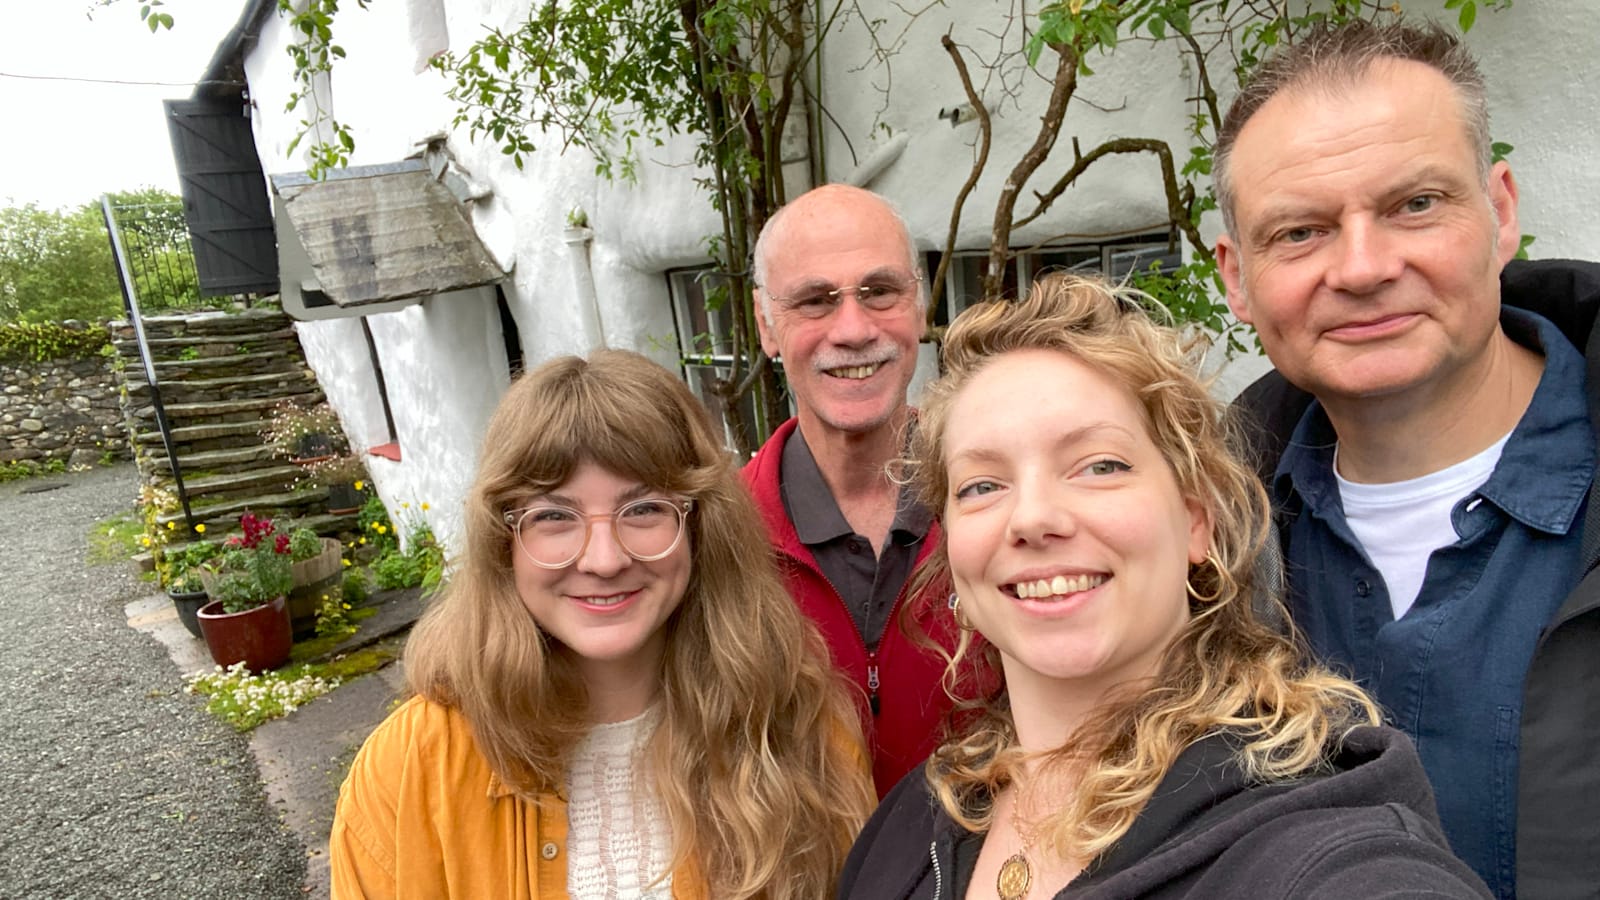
x=63, y=409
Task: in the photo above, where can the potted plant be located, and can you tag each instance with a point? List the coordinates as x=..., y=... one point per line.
x=305, y=434
x=343, y=476
x=247, y=619
x=183, y=583
x=316, y=571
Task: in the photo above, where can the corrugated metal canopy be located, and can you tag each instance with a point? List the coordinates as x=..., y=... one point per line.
x=380, y=233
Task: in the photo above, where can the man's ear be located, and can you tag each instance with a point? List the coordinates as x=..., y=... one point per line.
x=769, y=341
x=1502, y=190
x=1228, y=268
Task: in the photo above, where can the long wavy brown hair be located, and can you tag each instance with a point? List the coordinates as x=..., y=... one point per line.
x=758, y=757
x=1226, y=671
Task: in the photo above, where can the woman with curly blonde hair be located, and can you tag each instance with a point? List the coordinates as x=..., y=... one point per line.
x=1152, y=736
x=615, y=696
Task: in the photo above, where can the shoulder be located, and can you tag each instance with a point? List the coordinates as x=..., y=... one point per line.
x=765, y=463
x=1565, y=291
x=893, y=846
x=1265, y=414
x=420, y=736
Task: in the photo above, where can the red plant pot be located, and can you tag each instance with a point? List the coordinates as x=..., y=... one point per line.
x=260, y=637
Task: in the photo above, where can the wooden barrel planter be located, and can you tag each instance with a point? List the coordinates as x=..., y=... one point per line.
x=260, y=637
x=321, y=574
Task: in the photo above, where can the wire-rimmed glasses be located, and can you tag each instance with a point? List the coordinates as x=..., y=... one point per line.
x=553, y=536
x=879, y=294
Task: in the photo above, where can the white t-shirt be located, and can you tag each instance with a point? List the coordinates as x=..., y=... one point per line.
x=1401, y=523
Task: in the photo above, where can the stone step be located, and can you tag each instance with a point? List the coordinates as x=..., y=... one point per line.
x=237, y=482
x=276, y=385
x=233, y=459
x=206, y=324
x=129, y=346
x=220, y=517
x=220, y=366
x=191, y=433
x=325, y=524
x=253, y=409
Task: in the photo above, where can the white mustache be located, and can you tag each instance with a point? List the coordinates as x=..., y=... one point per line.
x=875, y=353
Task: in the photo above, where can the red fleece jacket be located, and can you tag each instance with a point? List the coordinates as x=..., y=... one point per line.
x=902, y=702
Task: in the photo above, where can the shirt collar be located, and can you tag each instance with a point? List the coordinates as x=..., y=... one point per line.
x=1538, y=487
x=815, y=513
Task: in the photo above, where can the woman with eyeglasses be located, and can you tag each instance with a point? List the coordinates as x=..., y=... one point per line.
x=1152, y=736
x=614, y=696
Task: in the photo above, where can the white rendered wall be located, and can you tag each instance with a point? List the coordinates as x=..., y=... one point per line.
x=1538, y=58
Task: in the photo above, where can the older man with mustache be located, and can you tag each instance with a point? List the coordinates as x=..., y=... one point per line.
x=841, y=298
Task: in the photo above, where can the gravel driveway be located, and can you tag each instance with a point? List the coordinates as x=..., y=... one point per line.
x=113, y=782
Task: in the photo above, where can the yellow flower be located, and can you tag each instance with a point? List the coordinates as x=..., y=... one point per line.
x=146, y=540
x=201, y=528
x=363, y=539
x=345, y=605
x=360, y=485
x=171, y=525
x=346, y=563
x=381, y=529
x=406, y=505
x=424, y=507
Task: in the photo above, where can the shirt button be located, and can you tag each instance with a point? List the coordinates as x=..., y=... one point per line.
x=856, y=545
x=1362, y=587
x=549, y=850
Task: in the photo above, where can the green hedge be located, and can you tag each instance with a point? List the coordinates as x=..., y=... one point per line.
x=44, y=341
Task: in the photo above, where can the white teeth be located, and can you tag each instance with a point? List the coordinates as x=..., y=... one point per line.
x=855, y=372
x=1060, y=585
x=604, y=601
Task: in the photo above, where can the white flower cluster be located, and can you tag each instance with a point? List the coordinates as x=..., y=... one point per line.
x=247, y=700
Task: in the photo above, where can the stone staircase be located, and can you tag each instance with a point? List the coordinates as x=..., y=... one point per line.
x=219, y=376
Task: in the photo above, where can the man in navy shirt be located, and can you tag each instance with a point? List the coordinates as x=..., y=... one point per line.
x=1432, y=498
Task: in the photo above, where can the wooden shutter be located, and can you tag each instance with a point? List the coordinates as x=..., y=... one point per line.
x=224, y=196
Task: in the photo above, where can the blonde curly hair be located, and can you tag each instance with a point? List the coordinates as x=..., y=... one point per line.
x=1228, y=670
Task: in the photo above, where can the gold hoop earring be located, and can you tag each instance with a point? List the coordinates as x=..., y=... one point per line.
x=955, y=613
x=1222, y=577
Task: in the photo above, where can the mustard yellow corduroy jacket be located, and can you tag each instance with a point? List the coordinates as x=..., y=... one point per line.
x=422, y=815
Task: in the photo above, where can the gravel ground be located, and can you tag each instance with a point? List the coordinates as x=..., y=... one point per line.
x=113, y=782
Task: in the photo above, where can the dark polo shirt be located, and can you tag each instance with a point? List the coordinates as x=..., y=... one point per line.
x=868, y=584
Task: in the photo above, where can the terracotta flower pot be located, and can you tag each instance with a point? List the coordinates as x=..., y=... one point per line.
x=260, y=637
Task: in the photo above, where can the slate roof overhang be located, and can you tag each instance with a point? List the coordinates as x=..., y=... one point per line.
x=386, y=232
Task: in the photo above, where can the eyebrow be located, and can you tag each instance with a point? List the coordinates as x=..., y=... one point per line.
x=1295, y=209
x=553, y=499
x=1066, y=439
x=881, y=273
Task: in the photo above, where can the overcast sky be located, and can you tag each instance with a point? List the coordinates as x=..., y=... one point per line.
x=63, y=143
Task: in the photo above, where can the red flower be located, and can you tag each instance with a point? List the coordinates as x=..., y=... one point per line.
x=280, y=544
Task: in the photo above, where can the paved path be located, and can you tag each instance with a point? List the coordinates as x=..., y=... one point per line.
x=113, y=783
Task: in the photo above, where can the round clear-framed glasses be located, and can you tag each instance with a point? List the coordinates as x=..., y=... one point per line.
x=879, y=294
x=553, y=537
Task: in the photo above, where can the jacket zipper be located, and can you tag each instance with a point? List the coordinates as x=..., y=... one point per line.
x=873, y=680
x=938, y=874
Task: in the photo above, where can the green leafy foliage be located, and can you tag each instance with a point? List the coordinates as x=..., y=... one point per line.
x=45, y=341
x=27, y=468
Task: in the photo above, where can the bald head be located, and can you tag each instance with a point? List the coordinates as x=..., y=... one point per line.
x=820, y=210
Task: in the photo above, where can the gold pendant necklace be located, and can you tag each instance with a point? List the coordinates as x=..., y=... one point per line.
x=1015, y=877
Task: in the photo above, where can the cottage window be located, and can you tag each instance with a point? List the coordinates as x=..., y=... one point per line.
x=701, y=312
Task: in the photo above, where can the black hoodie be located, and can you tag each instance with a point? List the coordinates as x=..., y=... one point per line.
x=1365, y=829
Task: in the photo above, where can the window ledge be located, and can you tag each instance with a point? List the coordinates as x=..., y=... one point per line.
x=389, y=451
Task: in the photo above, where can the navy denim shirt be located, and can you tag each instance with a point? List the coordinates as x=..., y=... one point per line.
x=1450, y=671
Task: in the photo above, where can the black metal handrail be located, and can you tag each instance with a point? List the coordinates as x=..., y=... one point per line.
x=130, y=302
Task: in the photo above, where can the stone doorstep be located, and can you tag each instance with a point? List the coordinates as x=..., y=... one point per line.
x=187, y=433
x=292, y=379
x=302, y=756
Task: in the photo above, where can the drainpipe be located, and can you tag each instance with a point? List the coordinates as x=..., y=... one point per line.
x=578, y=238
x=881, y=159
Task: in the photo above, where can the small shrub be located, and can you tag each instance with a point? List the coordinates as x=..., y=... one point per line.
x=44, y=341
x=304, y=544
x=333, y=617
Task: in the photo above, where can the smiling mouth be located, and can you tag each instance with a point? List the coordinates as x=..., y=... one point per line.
x=608, y=600
x=1059, y=586
x=854, y=373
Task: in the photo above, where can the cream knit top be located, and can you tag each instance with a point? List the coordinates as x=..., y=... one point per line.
x=618, y=838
